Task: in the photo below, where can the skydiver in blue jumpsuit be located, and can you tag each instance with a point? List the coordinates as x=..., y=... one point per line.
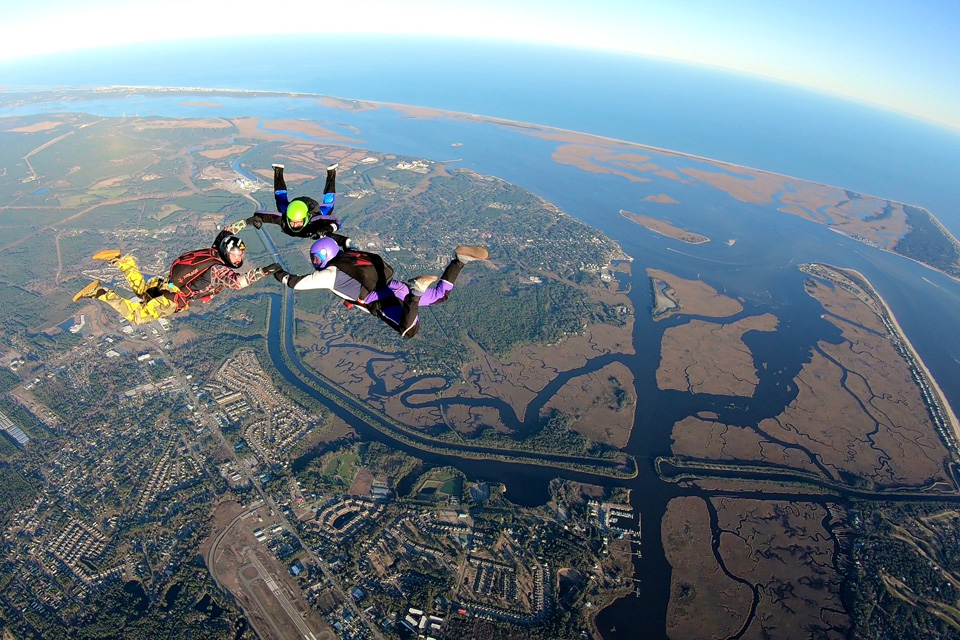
x=302, y=217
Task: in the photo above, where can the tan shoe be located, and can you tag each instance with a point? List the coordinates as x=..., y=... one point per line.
x=466, y=253
x=108, y=255
x=422, y=283
x=92, y=290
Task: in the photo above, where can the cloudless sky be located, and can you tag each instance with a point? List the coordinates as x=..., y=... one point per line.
x=899, y=54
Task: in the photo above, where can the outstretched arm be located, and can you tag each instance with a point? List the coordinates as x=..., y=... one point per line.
x=343, y=241
x=236, y=227
x=260, y=218
x=319, y=226
x=225, y=277
x=323, y=279
x=257, y=220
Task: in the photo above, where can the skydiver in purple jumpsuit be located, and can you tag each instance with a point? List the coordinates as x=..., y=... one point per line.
x=365, y=281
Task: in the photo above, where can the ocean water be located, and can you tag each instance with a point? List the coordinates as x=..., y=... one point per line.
x=697, y=110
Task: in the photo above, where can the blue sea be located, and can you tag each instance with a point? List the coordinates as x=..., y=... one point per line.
x=682, y=107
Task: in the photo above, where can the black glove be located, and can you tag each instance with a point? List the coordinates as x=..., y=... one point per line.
x=272, y=268
x=279, y=274
x=255, y=221
x=328, y=229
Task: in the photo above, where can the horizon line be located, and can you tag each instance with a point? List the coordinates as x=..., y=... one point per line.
x=952, y=126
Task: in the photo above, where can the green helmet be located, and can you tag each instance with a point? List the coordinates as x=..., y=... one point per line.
x=297, y=211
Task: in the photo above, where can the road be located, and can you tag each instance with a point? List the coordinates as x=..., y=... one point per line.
x=277, y=592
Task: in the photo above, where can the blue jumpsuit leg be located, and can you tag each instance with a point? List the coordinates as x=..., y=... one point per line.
x=280, y=190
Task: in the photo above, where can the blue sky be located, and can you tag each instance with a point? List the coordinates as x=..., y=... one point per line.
x=898, y=54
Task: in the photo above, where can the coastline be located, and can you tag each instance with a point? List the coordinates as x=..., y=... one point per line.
x=939, y=397
x=953, y=240
x=531, y=128
x=463, y=114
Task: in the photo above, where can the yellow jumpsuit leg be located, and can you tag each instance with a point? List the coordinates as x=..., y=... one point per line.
x=128, y=267
x=140, y=312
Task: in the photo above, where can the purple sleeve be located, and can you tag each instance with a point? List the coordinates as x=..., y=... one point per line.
x=333, y=219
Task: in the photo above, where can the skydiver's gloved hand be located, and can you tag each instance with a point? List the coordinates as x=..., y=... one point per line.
x=237, y=226
x=328, y=229
x=262, y=272
x=272, y=268
x=254, y=221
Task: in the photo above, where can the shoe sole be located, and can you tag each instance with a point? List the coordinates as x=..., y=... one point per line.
x=474, y=253
x=107, y=255
x=422, y=283
x=87, y=290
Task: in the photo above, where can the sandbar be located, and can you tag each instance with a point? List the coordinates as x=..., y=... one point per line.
x=665, y=228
